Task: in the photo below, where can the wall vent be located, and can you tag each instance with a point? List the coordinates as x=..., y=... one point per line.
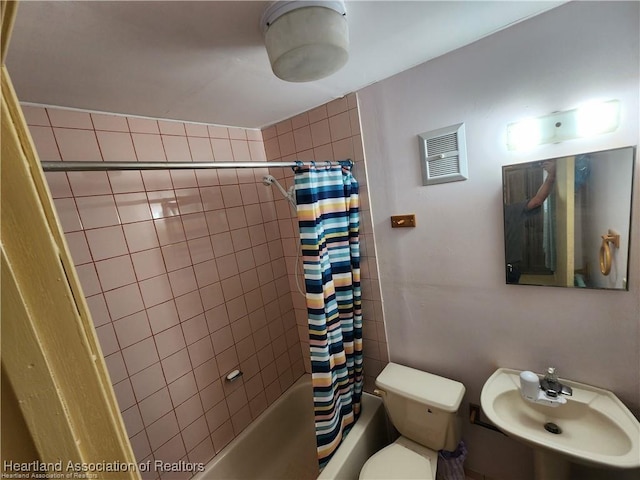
x=443, y=155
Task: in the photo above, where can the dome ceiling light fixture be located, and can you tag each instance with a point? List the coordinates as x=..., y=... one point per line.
x=306, y=40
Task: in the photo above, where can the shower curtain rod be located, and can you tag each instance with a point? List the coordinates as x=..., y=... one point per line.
x=110, y=166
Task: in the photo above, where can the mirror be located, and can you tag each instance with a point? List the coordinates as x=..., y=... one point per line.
x=567, y=220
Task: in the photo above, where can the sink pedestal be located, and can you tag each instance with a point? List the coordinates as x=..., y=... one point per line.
x=550, y=466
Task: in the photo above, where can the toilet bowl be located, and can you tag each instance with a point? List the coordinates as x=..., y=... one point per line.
x=423, y=408
x=403, y=459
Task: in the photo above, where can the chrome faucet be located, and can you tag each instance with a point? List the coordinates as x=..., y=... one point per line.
x=547, y=391
x=552, y=387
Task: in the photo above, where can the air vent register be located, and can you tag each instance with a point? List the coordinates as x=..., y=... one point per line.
x=443, y=155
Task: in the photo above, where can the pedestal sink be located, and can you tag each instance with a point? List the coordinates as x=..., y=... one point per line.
x=593, y=427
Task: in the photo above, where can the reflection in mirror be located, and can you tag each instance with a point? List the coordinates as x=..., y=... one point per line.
x=567, y=220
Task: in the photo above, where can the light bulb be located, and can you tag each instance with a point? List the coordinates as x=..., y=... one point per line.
x=523, y=135
x=596, y=118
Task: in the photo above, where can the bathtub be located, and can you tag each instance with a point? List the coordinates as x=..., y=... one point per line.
x=369, y=434
x=281, y=444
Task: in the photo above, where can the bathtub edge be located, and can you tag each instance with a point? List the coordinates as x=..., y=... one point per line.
x=369, y=435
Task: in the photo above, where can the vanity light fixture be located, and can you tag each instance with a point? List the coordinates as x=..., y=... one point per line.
x=306, y=40
x=588, y=120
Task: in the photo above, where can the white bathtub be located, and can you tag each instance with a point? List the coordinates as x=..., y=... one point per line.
x=369, y=434
x=280, y=443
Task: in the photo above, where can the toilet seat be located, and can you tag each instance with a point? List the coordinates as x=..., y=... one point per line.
x=400, y=462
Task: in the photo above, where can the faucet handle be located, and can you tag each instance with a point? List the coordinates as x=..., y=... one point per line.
x=552, y=387
x=551, y=375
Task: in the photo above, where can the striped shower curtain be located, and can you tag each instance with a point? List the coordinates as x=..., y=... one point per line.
x=327, y=204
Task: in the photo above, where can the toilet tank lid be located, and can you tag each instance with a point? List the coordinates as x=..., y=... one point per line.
x=438, y=392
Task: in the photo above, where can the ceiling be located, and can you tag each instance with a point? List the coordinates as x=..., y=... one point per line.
x=205, y=61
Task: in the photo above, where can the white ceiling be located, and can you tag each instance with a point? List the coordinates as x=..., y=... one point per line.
x=205, y=61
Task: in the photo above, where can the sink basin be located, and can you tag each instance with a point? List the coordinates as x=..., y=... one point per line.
x=595, y=426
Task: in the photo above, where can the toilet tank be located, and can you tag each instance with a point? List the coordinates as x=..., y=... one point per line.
x=422, y=407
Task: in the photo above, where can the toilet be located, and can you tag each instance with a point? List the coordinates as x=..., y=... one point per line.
x=423, y=408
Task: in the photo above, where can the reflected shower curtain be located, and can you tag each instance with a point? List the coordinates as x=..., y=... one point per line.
x=327, y=205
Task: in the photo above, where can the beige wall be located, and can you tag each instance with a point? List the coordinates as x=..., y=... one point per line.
x=330, y=132
x=447, y=308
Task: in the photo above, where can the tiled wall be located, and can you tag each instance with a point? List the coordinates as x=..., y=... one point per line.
x=184, y=272
x=330, y=132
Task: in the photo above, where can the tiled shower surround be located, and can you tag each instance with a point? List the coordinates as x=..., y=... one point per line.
x=189, y=274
